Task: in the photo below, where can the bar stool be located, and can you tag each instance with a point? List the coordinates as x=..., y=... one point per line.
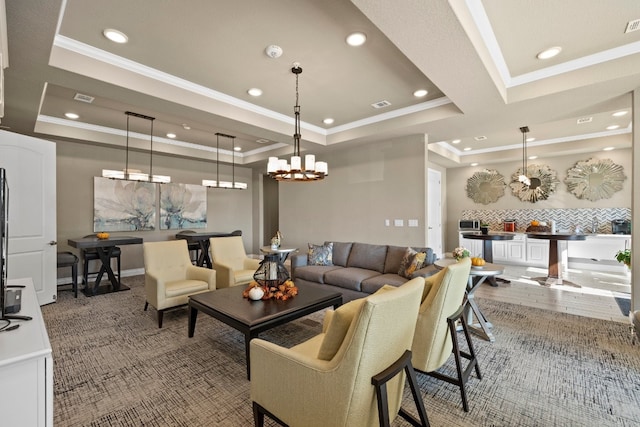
x=68, y=259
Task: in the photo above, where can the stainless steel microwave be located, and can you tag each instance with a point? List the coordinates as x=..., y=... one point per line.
x=468, y=224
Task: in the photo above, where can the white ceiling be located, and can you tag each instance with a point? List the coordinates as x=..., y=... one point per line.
x=192, y=62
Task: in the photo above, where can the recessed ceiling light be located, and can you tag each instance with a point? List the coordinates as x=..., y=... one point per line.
x=171, y=135
x=254, y=91
x=532, y=157
x=115, y=35
x=455, y=141
x=356, y=39
x=186, y=126
x=549, y=53
x=619, y=113
x=237, y=148
x=467, y=149
x=608, y=148
x=612, y=127
x=71, y=115
x=474, y=164
x=420, y=93
x=328, y=121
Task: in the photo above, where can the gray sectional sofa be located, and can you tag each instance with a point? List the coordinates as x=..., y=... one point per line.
x=359, y=269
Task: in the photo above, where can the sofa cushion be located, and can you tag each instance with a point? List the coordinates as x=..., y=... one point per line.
x=372, y=284
x=396, y=253
x=320, y=254
x=349, y=277
x=337, y=329
x=314, y=273
x=341, y=252
x=411, y=262
x=367, y=256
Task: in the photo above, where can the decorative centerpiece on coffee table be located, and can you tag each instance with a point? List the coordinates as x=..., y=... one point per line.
x=282, y=292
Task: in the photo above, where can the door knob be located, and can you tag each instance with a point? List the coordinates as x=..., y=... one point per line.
x=53, y=243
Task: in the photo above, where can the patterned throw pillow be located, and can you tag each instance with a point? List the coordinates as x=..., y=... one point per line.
x=320, y=254
x=411, y=262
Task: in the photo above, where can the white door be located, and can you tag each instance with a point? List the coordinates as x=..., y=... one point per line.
x=434, y=209
x=31, y=173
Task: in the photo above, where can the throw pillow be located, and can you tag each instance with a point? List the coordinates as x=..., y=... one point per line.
x=411, y=262
x=320, y=254
x=338, y=328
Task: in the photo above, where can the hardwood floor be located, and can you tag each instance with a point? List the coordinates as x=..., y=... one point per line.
x=599, y=296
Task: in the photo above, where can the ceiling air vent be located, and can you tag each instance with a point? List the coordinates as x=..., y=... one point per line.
x=584, y=120
x=83, y=98
x=632, y=26
x=480, y=138
x=381, y=104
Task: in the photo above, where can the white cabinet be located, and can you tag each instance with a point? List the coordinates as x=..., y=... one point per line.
x=474, y=245
x=510, y=251
x=598, y=251
x=537, y=252
x=26, y=367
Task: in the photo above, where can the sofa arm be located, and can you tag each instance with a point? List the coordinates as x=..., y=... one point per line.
x=297, y=260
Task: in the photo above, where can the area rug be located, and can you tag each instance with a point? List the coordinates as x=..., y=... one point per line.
x=114, y=367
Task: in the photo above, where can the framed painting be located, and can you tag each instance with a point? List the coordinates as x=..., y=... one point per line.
x=183, y=206
x=121, y=205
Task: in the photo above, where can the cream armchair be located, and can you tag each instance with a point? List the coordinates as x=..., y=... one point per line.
x=230, y=261
x=169, y=276
x=327, y=380
x=435, y=339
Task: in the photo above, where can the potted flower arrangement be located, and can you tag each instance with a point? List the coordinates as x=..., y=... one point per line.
x=624, y=257
x=484, y=228
x=460, y=252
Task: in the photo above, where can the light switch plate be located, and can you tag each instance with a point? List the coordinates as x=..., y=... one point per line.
x=413, y=223
x=398, y=222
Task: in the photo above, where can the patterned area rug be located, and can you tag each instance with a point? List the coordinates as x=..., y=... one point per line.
x=114, y=367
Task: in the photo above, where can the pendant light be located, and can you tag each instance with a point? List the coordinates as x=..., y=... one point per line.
x=280, y=170
x=523, y=178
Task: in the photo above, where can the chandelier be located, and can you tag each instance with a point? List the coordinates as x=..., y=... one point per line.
x=523, y=178
x=136, y=174
x=280, y=169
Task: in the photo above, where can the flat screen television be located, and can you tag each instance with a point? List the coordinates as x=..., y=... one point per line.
x=4, y=237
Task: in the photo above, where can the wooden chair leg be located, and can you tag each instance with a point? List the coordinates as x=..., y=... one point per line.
x=258, y=416
x=380, y=380
x=146, y=305
x=160, y=316
x=74, y=279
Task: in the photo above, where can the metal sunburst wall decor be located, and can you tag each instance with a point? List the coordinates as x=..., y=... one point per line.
x=543, y=183
x=486, y=186
x=595, y=179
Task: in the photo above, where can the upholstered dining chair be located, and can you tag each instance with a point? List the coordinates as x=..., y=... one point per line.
x=169, y=276
x=91, y=254
x=230, y=261
x=332, y=379
x=436, y=339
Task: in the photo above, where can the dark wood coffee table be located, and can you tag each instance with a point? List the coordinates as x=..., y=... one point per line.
x=253, y=317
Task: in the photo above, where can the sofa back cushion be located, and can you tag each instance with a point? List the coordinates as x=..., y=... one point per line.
x=367, y=256
x=341, y=252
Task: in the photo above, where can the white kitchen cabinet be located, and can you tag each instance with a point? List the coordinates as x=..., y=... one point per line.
x=510, y=251
x=26, y=367
x=474, y=246
x=537, y=253
x=598, y=252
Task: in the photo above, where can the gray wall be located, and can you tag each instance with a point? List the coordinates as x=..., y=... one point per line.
x=365, y=186
x=457, y=199
x=78, y=164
